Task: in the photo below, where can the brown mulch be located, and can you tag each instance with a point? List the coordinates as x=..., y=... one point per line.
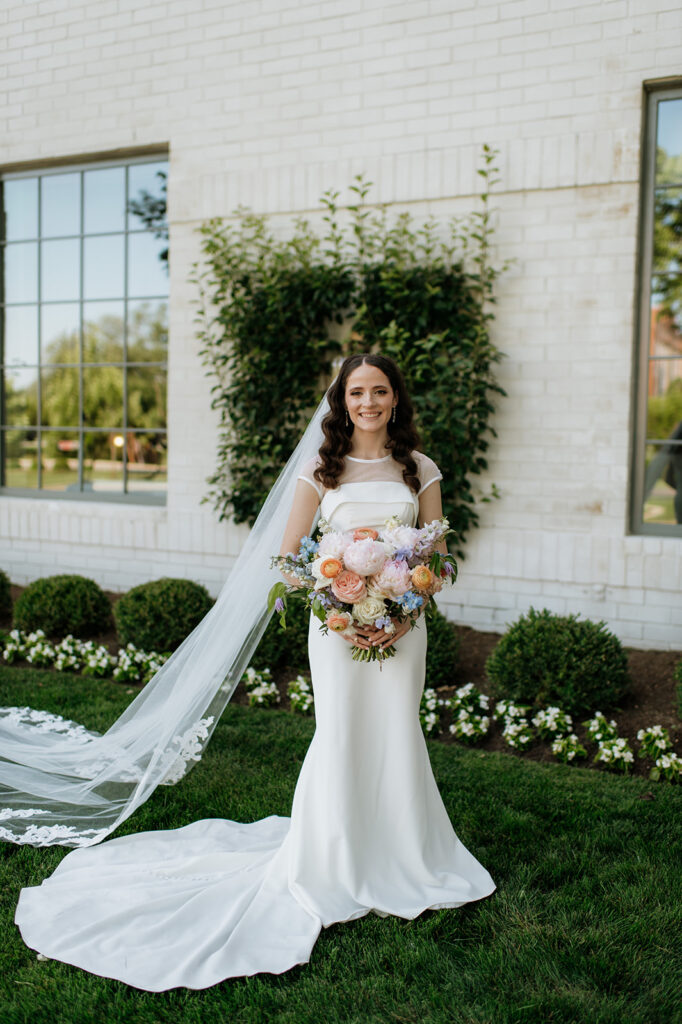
x=652, y=700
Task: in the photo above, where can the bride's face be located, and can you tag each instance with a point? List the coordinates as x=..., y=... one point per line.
x=369, y=398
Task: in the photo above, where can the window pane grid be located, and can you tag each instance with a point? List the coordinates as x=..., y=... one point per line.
x=81, y=344
x=65, y=372
x=125, y=331
x=657, y=477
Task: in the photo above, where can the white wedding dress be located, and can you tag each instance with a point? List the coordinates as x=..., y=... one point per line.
x=368, y=829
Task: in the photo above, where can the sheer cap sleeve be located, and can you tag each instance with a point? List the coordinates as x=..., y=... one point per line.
x=307, y=470
x=427, y=470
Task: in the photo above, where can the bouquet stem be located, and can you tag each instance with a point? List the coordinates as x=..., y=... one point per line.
x=372, y=654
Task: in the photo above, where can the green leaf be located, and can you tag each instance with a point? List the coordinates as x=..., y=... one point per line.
x=278, y=589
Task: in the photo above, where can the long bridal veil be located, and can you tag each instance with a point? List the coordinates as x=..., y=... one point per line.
x=63, y=784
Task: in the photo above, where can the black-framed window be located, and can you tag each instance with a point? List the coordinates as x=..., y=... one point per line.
x=657, y=471
x=84, y=331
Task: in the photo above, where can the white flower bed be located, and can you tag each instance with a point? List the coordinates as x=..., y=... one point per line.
x=300, y=695
x=552, y=722
x=469, y=709
x=568, y=748
x=517, y=731
x=261, y=690
x=615, y=753
x=429, y=712
x=668, y=766
x=471, y=718
x=131, y=665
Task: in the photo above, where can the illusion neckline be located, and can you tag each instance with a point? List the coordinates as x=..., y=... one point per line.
x=382, y=459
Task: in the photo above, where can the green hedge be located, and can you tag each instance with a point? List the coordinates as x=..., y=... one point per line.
x=420, y=291
x=545, y=658
x=5, y=596
x=157, y=616
x=442, y=651
x=60, y=605
x=285, y=648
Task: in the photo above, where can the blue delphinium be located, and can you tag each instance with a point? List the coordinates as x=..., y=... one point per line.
x=409, y=601
x=309, y=547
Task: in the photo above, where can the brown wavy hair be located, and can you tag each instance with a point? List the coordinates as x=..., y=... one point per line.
x=403, y=437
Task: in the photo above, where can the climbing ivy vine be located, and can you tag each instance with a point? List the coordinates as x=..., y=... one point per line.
x=275, y=313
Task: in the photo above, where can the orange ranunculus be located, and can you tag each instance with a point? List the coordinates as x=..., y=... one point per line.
x=339, y=621
x=422, y=577
x=364, y=532
x=330, y=568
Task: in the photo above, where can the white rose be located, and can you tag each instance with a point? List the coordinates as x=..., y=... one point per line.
x=369, y=609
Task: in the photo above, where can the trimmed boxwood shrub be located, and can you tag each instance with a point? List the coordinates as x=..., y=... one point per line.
x=545, y=658
x=285, y=648
x=5, y=596
x=60, y=605
x=442, y=651
x=157, y=616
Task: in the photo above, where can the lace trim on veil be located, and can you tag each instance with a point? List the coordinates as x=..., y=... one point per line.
x=61, y=783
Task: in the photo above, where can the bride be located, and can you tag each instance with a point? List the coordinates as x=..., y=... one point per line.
x=368, y=830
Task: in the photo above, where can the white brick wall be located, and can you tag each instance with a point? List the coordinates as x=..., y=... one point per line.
x=268, y=104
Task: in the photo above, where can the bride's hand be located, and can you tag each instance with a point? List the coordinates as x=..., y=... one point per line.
x=383, y=639
x=363, y=636
x=387, y=639
x=369, y=636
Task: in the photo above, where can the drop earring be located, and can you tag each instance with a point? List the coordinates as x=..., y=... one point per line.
x=393, y=416
x=347, y=420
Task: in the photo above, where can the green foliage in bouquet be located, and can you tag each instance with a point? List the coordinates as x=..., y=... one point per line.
x=60, y=605
x=5, y=596
x=442, y=650
x=157, y=616
x=276, y=312
x=545, y=658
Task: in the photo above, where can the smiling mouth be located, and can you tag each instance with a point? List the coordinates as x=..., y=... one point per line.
x=370, y=415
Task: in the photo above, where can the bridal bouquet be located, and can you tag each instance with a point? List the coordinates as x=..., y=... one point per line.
x=365, y=577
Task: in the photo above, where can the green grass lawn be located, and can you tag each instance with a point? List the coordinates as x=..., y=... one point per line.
x=584, y=925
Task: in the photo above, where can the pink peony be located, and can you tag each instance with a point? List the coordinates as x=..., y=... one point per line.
x=365, y=557
x=401, y=538
x=393, y=579
x=349, y=587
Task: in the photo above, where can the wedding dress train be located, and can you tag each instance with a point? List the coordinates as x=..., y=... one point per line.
x=219, y=899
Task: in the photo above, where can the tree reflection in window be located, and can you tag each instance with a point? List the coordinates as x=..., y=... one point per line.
x=662, y=464
x=85, y=331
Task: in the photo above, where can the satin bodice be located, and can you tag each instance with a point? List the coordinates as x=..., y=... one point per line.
x=369, y=503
